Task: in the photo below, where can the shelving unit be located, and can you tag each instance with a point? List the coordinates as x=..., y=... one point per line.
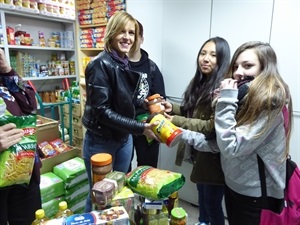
x=32, y=22
x=83, y=54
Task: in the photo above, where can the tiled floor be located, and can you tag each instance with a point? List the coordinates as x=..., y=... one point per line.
x=192, y=212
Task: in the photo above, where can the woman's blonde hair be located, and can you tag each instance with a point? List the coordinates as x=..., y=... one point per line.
x=267, y=92
x=115, y=26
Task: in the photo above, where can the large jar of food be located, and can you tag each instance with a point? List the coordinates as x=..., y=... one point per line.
x=178, y=216
x=154, y=104
x=101, y=165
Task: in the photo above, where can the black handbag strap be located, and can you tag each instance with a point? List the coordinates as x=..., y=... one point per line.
x=262, y=177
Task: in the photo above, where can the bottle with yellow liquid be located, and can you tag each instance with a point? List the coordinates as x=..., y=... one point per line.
x=40, y=217
x=63, y=210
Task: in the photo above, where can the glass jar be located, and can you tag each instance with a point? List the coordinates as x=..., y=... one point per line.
x=101, y=165
x=154, y=104
x=172, y=201
x=178, y=216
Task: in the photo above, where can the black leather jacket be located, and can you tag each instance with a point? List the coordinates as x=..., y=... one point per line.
x=111, y=90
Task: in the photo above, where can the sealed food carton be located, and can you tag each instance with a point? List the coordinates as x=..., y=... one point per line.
x=112, y=216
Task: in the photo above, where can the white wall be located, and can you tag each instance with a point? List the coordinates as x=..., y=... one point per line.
x=175, y=30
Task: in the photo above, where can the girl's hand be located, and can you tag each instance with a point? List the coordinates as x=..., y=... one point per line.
x=168, y=116
x=168, y=106
x=228, y=83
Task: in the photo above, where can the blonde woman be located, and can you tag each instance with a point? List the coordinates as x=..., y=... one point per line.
x=112, y=92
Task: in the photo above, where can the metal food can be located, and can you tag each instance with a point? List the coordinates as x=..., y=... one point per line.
x=165, y=130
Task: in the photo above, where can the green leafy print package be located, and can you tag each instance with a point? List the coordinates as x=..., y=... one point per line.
x=16, y=163
x=154, y=183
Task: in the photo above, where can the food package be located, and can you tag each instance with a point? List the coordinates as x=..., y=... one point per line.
x=154, y=183
x=16, y=163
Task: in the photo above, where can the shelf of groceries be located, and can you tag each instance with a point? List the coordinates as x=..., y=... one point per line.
x=43, y=8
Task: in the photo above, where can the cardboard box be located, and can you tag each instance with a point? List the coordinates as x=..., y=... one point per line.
x=76, y=109
x=66, y=119
x=49, y=163
x=77, y=142
x=47, y=130
x=114, y=216
x=76, y=120
x=77, y=131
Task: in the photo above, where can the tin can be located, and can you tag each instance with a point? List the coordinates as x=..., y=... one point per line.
x=165, y=130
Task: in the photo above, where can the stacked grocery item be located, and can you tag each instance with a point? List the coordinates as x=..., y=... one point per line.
x=29, y=66
x=54, y=8
x=92, y=37
x=52, y=192
x=92, y=12
x=74, y=176
x=68, y=182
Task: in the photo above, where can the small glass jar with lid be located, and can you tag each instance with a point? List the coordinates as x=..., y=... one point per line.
x=154, y=104
x=101, y=164
x=178, y=216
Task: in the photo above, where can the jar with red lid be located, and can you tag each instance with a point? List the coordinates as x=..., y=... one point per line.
x=26, y=39
x=154, y=104
x=101, y=164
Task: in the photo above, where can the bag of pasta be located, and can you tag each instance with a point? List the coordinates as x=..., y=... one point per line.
x=16, y=163
x=153, y=183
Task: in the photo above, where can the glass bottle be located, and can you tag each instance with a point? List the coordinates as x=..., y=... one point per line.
x=172, y=201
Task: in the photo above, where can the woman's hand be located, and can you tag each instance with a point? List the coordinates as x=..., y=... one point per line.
x=149, y=133
x=228, y=83
x=4, y=66
x=9, y=135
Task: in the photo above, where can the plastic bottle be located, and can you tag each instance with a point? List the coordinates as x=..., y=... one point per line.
x=63, y=210
x=39, y=217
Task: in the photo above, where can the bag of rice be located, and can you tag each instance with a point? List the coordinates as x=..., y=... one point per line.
x=154, y=183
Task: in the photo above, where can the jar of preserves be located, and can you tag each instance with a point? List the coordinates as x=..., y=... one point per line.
x=154, y=104
x=172, y=201
x=178, y=216
x=101, y=165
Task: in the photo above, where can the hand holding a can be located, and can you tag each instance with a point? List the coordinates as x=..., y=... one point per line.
x=148, y=132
